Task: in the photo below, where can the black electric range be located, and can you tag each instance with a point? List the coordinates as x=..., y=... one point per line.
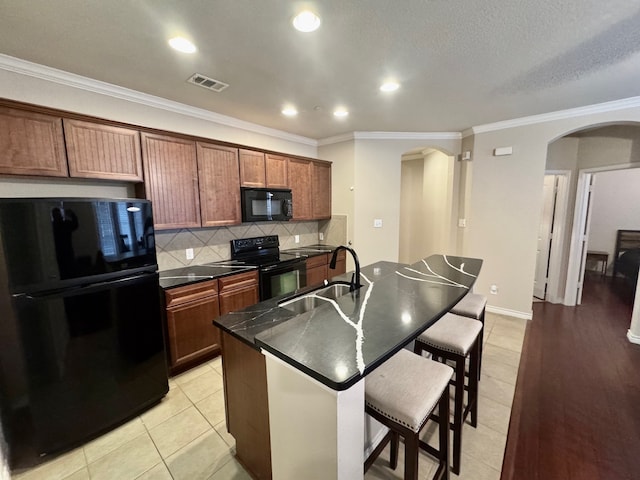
x=279, y=272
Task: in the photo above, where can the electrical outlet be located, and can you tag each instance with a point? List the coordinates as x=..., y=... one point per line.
x=321, y=236
x=296, y=238
x=189, y=253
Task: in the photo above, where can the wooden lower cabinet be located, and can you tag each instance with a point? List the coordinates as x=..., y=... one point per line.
x=318, y=268
x=191, y=335
x=247, y=405
x=238, y=291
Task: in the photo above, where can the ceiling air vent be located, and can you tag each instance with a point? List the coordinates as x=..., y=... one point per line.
x=207, y=82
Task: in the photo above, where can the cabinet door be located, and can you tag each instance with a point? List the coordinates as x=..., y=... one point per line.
x=321, y=188
x=191, y=333
x=238, y=291
x=102, y=151
x=31, y=144
x=252, y=168
x=276, y=171
x=300, y=183
x=171, y=180
x=219, y=181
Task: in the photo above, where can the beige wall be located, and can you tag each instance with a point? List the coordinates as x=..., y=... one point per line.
x=505, y=203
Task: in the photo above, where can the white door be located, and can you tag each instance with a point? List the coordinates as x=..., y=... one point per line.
x=545, y=237
x=585, y=222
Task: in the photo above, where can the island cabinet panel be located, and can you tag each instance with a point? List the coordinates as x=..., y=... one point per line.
x=276, y=171
x=238, y=291
x=102, y=151
x=219, y=183
x=252, y=168
x=190, y=311
x=247, y=405
x=31, y=144
x=321, y=190
x=317, y=267
x=300, y=184
x=171, y=180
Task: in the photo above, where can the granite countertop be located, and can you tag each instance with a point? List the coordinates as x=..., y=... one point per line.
x=179, y=277
x=341, y=341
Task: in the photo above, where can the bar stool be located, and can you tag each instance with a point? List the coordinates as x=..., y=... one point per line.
x=401, y=394
x=453, y=338
x=473, y=305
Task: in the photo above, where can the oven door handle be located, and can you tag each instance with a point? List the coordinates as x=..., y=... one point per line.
x=289, y=266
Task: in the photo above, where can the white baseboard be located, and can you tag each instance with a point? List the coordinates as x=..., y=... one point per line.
x=633, y=338
x=510, y=313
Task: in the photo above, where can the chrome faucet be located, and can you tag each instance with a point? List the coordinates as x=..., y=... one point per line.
x=355, y=278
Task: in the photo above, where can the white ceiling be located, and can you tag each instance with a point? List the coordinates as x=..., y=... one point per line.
x=460, y=62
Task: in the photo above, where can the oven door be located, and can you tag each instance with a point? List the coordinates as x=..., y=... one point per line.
x=279, y=279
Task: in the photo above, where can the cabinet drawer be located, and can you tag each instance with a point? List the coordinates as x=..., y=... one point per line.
x=240, y=280
x=190, y=293
x=318, y=260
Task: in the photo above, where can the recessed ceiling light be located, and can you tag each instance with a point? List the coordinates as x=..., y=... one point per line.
x=389, y=86
x=306, y=21
x=340, y=112
x=182, y=45
x=289, y=111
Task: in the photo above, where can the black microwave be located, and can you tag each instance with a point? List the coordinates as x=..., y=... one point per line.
x=266, y=204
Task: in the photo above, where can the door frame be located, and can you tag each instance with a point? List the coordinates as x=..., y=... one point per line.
x=576, y=267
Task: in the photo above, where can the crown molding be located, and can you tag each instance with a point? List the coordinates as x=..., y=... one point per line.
x=73, y=80
x=605, y=107
x=390, y=136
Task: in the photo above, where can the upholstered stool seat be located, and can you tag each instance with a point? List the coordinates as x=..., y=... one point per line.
x=453, y=338
x=473, y=305
x=401, y=394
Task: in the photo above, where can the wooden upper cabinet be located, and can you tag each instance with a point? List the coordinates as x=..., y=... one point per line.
x=171, y=180
x=300, y=184
x=276, y=171
x=219, y=180
x=102, y=151
x=31, y=144
x=321, y=190
x=252, y=168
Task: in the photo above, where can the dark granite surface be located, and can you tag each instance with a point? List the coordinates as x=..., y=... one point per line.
x=340, y=341
x=179, y=277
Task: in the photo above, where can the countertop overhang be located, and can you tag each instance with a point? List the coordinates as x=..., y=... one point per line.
x=343, y=340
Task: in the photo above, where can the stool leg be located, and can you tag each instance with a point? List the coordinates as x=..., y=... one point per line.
x=481, y=337
x=395, y=444
x=474, y=374
x=445, y=453
x=458, y=413
x=411, y=445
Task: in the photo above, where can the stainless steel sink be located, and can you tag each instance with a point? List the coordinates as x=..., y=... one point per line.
x=333, y=291
x=310, y=300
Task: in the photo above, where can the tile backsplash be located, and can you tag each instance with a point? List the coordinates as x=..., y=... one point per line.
x=212, y=244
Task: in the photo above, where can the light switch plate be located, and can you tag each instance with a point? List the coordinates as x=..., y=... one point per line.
x=321, y=236
x=189, y=253
x=377, y=223
x=297, y=238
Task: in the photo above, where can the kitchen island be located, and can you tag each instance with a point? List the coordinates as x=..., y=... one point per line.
x=316, y=361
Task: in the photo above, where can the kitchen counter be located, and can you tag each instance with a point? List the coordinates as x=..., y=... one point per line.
x=179, y=277
x=341, y=341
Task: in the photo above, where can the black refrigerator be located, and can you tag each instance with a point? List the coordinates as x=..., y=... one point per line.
x=81, y=336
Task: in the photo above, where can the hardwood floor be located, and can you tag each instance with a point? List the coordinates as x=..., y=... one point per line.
x=576, y=411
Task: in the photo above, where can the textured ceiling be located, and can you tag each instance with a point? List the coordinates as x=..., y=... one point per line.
x=460, y=62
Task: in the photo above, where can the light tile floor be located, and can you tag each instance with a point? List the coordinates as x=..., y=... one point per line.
x=185, y=436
